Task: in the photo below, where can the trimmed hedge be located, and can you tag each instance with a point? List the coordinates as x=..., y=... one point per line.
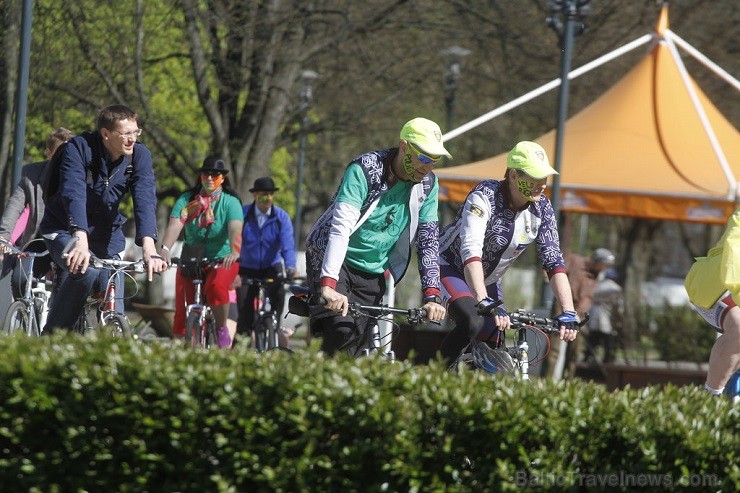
x=82, y=414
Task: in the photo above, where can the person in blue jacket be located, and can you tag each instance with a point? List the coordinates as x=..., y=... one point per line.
x=268, y=252
x=95, y=172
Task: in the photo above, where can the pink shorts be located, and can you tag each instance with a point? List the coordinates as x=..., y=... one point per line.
x=715, y=314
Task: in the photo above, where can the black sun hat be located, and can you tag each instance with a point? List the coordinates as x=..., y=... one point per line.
x=214, y=163
x=264, y=184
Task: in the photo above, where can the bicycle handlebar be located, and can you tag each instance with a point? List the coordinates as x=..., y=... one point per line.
x=413, y=315
x=14, y=250
x=520, y=318
x=137, y=266
x=196, y=262
x=111, y=263
x=295, y=281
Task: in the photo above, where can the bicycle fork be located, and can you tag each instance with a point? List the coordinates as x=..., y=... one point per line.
x=375, y=343
x=523, y=350
x=41, y=300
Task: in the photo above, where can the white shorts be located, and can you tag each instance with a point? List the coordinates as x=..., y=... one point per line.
x=715, y=314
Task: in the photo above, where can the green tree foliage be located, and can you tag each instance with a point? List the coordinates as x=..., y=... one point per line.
x=223, y=76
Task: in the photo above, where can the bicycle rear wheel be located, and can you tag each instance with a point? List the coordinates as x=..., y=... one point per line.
x=116, y=325
x=18, y=319
x=210, y=339
x=86, y=323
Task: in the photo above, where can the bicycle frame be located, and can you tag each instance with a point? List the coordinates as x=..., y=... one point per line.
x=266, y=322
x=35, y=296
x=206, y=320
x=515, y=359
x=367, y=343
x=200, y=322
x=371, y=341
x=105, y=301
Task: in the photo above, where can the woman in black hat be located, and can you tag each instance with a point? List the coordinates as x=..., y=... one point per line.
x=211, y=215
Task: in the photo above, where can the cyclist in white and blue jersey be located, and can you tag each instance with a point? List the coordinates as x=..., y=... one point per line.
x=498, y=220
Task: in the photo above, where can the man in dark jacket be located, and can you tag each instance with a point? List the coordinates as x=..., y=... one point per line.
x=96, y=170
x=268, y=252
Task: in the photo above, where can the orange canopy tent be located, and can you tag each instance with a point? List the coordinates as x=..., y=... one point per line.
x=653, y=146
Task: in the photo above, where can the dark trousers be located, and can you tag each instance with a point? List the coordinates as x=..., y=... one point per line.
x=467, y=325
x=337, y=331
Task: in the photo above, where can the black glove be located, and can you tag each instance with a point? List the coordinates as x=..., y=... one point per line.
x=569, y=319
x=488, y=307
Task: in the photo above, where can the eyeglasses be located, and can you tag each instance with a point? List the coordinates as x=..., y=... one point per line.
x=212, y=174
x=129, y=135
x=425, y=159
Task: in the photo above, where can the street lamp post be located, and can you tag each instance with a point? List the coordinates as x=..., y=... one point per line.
x=572, y=11
x=21, y=102
x=453, y=56
x=307, y=78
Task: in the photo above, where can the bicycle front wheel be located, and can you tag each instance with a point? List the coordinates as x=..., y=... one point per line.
x=18, y=319
x=116, y=325
x=263, y=333
x=193, y=330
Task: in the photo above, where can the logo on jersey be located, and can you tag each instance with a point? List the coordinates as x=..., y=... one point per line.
x=474, y=209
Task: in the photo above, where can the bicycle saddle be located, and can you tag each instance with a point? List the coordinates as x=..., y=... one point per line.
x=491, y=360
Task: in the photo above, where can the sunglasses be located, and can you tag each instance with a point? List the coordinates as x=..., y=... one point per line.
x=423, y=158
x=212, y=174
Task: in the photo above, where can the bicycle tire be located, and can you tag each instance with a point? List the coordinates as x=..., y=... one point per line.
x=210, y=338
x=117, y=325
x=86, y=324
x=261, y=333
x=273, y=342
x=17, y=319
x=192, y=329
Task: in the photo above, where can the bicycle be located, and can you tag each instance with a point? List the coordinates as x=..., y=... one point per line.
x=108, y=318
x=266, y=325
x=363, y=342
x=498, y=358
x=28, y=313
x=200, y=322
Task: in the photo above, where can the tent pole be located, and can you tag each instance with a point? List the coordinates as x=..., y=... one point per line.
x=645, y=38
x=722, y=73
x=719, y=153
